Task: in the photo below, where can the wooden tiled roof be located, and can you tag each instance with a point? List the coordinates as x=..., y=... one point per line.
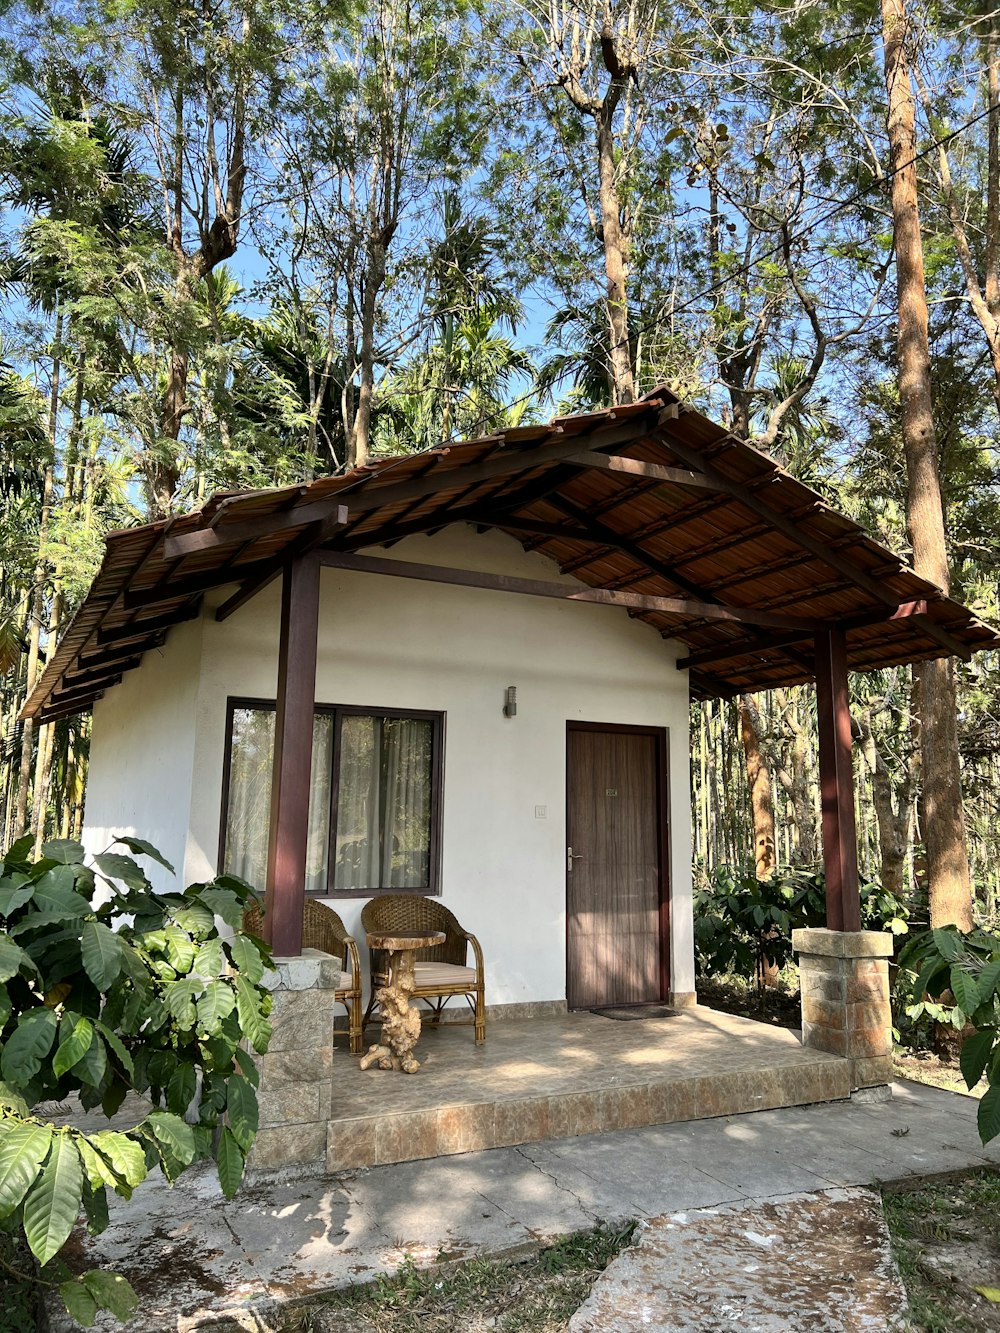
x=652, y=502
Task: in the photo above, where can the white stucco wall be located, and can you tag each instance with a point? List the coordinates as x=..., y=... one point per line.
x=387, y=642
x=142, y=754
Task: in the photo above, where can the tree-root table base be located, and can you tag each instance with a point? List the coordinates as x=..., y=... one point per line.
x=400, y=1018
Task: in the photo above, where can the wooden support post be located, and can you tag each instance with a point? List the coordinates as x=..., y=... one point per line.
x=840, y=839
x=293, y=731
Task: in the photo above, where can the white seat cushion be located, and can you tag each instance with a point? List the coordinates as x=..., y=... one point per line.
x=444, y=974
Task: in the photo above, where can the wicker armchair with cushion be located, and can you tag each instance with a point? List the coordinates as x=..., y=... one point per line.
x=323, y=929
x=442, y=971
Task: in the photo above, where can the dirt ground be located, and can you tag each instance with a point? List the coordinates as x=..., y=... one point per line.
x=946, y=1238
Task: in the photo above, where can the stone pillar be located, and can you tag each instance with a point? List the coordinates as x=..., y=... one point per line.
x=845, y=999
x=296, y=1075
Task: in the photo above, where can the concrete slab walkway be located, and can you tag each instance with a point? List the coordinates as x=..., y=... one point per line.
x=193, y=1257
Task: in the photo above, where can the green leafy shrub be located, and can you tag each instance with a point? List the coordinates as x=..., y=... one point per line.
x=954, y=978
x=744, y=925
x=106, y=988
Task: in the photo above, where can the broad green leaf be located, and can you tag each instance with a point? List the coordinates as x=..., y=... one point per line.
x=98, y=1168
x=248, y=1068
x=989, y=979
x=178, y=996
x=225, y=904
x=55, y=891
x=194, y=917
x=948, y=942
x=181, y=1088
x=93, y=1064
x=13, y=1101
x=112, y=1292
x=102, y=953
x=14, y=893
x=53, y=1202
x=992, y=1294
x=95, y=1205
x=179, y=948
x=79, y=1303
x=975, y=1055
x=13, y=958
x=64, y=850
x=254, y=1025
x=209, y=960
x=22, y=1150
x=74, y=1046
x=20, y=851
x=242, y=1110
x=989, y=1113
x=965, y=990
x=117, y=1048
x=214, y=1005
x=28, y=1045
x=230, y=1161
x=143, y=848
x=175, y=1135
x=124, y=1154
x=246, y=957
x=114, y=866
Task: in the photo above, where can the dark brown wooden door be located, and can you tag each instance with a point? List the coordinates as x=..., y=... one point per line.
x=615, y=925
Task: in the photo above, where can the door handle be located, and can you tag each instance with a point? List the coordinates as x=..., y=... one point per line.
x=572, y=856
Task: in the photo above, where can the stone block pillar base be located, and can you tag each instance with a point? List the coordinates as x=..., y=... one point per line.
x=296, y=1076
x=845, y=999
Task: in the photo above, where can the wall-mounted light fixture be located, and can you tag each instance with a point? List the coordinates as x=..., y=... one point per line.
x=510, y=701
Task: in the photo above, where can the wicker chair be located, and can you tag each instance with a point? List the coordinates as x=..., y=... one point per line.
x=323, y=929
x=442, y=971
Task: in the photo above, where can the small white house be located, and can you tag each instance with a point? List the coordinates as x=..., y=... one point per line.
x=420, y=782
x=457, y=674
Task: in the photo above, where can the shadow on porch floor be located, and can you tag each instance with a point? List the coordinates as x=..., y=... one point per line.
x=560, y=1077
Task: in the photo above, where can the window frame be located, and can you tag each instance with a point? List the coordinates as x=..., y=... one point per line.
x=338, y=712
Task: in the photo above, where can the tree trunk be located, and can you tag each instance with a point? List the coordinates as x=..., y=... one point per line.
x=360, y=438
x=948, y=864
x=761, y=804
x=615, y=262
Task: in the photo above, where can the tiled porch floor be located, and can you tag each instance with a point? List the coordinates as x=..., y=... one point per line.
x=558, y=1077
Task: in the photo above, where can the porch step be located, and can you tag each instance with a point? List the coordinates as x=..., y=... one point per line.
x=466, y=1099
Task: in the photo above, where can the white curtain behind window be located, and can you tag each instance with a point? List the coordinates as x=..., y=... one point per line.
x=249, y=814
x=383, y=803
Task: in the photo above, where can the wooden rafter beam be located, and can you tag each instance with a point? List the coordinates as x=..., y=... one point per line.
x=52, y=714
x=630, y=601
x=170, y=589
x=309, y=539
x=99, y=676
x=86, y=662
x=787, y=526
x=501, y=464
x=635, y=467
x=81, y=698
x=137, y=629
x=250, y=530
x=725, y=652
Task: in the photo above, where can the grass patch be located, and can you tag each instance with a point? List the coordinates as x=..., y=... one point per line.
x=18, y=1295
x=945, y=1241
x=537, y=1295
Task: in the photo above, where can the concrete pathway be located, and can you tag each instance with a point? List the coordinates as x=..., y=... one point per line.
x=193, y=1257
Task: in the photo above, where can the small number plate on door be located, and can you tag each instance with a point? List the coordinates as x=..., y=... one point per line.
x=611, y=791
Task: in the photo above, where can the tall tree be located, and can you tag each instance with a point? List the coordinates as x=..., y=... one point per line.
x=944, y=820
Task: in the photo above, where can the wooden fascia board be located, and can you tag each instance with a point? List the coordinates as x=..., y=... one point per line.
x=629, y=601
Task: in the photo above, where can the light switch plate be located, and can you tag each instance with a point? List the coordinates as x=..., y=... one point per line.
x=541, y=812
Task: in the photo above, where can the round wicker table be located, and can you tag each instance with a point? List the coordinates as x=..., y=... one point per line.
x=400, y=1018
